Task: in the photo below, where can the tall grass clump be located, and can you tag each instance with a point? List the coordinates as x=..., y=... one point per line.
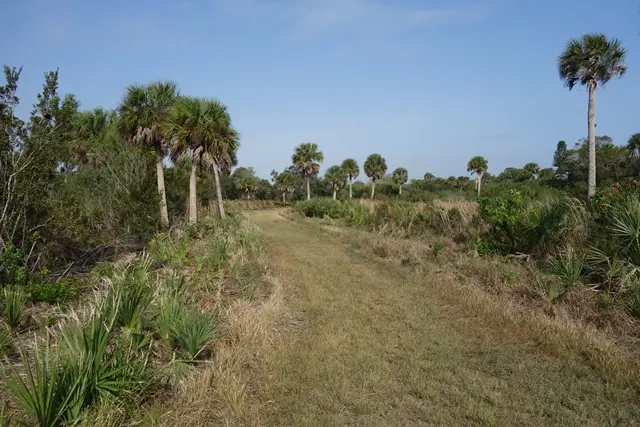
x=321, y=208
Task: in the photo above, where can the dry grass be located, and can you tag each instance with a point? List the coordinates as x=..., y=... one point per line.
x=225, y=392
x=376, y=343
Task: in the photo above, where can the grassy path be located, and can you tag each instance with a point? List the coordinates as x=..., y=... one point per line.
x=371, y=343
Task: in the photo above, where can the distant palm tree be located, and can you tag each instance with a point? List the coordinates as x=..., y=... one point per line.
x=478, y=165
x=350, y=167
x=590, y=61
x=336, y=177
x=375, y=167
x=306, y=159
x=286, y=183
x=201, y=128
x=633, y=145
x=532, y=169
x=143, y=111
x=429, y=176
x=400, y=177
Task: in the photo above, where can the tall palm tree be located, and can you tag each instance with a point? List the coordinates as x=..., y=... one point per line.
x=286, y=183
x=400, y=177
x=633, y=145
x=337, y=178
x=590, y=61
x=306, y=159
x=375, y=167
x=532, y=169
x=143, y=112
x=478, y=165
x=350, y=167
x=202, y=127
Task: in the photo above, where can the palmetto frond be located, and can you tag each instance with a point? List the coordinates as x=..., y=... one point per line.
x=633, y=145
x=477, y=165
x=202, y=127
x=591, y=60
x=336, y=177
x=400, y=176
x=307, y=158
x=350, y=167
x=143, y=111
x=375, y=167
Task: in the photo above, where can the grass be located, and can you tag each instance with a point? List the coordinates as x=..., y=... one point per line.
x=371, y=342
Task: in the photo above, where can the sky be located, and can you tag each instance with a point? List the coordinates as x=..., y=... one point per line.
x=427, y=84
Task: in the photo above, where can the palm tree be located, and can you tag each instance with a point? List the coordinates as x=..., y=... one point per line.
x=375, y=167
x=478, y=165
x=532, y=169
x=633, y=145
x=350, y=167
x=202, y=127
x=336, y=177
x=590, y=61
x=306, y=159
x=429, y=176
x=248, y=184
x=400, y=177
x=90, y=127
x=143, y=111
x=286, y=182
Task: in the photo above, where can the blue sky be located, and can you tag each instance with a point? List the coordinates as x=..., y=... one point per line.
x=427, y=84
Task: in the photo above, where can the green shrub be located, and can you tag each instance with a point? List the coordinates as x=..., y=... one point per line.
x=321, y=208
x=14, y=305
x=634, y=302
x=60, y=292
x=501, y=216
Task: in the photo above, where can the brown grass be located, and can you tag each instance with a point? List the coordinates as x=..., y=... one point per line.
x=371, y=342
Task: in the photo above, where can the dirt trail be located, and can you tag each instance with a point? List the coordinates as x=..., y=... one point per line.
x=372, y=343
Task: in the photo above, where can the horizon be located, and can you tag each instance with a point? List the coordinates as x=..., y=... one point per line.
x=354, y=76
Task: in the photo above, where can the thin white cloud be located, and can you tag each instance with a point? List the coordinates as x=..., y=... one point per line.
x=309, y=17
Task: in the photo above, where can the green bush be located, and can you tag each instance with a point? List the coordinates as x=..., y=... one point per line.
x=321, y=208
x=192, y=331
x=501, y=215
x=60, y=292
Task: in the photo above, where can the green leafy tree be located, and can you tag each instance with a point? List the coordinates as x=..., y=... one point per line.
x=532, y=169
x=478, y=165
x=375, y=167
x=143, y=113
x=350, y=167
x=591, y=61
x=561, y=159
x=429, y=176
x=286, y=183
x=337, y=178
x=306, y=160
x=200, y=130
x=400, y=177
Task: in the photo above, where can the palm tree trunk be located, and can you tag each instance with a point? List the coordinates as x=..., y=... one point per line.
x=284, y=198
x=308, y=188
x=479, y=183
x=591, y=136
x=350, y=189
x=334, y=194
x=164, y=213
x=193, y=208
x=218, y=191
x=400, y=191
x=373, y=189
